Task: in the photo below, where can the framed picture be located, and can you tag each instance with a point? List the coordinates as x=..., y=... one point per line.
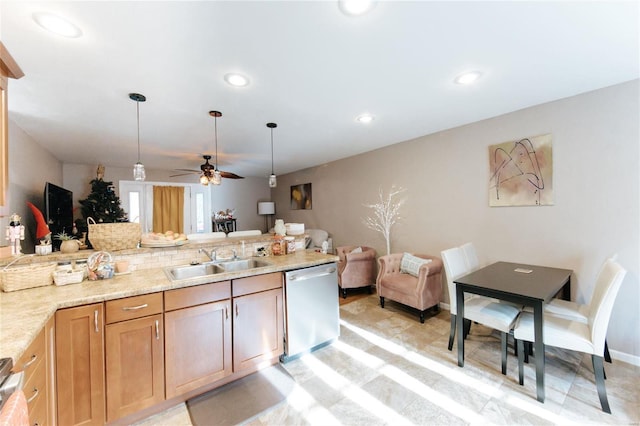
x=301, y=197
x=521, y=172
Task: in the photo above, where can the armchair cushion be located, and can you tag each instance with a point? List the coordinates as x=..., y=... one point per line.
x=411, y=264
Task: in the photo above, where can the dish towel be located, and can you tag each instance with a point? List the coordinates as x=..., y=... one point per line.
x=15, y=411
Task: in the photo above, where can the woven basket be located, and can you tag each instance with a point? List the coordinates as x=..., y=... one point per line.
x=68, y=276
x=30, y=276
x=113, y=236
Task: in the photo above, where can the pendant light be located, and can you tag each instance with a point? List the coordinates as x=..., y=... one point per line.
x=273, y=181
x=215, y=178
x=138, y=168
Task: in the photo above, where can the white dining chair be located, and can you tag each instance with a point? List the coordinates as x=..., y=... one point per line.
x=577, y=312
x=578, y=336
x=471, y=256
x=483, y=310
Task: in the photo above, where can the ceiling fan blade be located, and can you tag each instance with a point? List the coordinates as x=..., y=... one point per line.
x=188, y=170
x=181, y=174
x=230, y=175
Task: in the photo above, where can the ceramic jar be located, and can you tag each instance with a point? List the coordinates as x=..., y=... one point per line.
x=279, y=227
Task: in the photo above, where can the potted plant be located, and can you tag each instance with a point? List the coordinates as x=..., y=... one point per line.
x=69, y=244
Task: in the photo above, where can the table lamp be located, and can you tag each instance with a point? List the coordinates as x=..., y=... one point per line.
x=266, y=209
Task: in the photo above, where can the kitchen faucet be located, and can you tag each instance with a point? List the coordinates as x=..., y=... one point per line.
x=212, y=255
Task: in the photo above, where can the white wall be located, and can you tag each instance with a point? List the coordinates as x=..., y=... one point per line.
x=596, y=150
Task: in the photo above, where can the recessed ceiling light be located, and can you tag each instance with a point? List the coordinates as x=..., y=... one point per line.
x=365, y=118
x=468, y=77
x=356, y=7
x=237, y=80
x=57, y=25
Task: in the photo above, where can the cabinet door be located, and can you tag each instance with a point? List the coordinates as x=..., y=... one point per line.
x=80, y=365
x=135, y=365
x=258, y=328
x=198, y=346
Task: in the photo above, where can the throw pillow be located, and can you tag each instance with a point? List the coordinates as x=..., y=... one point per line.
x=410, y=264
x=356, y=250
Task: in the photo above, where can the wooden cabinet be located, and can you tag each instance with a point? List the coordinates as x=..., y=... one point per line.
x=198, y=336
x=134, y=354
x=50, y=357
x=33, y=364
x=258, y=320
x=80, y=365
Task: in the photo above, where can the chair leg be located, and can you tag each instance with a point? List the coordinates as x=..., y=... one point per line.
x=452, y=333
x=421, y=317
x=344, y=293
x=526, y=346
x=370, y=290
x=381, y=302
x=466, y=328
x=607, y=355
x=598, y=369
x=503, y=349
x=521, y=353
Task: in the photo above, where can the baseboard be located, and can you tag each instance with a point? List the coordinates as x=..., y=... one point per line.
x=625, y=357
x=616, y=355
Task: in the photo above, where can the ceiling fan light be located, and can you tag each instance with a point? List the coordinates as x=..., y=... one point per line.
x=204, y=180
x=138, y=172
x=273, y=181
x=216, y=177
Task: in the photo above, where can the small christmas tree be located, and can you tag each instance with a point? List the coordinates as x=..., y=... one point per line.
x=102, y=204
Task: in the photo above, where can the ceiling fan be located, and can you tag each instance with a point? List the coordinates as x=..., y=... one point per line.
x=207, y=169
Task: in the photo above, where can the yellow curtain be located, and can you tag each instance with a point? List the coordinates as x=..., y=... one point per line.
x=168, y=209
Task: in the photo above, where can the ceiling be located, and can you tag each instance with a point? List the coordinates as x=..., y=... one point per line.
x=312, y=70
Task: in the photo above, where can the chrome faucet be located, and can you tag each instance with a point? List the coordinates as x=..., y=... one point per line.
x=211, y=255
x=235, y=254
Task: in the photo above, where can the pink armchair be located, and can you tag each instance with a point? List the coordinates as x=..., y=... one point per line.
x=356, y=269
x=421, y=292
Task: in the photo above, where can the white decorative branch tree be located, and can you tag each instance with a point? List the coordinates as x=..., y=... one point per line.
x=386, y=212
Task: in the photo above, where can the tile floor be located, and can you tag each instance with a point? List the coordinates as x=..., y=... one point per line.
x=387, y=368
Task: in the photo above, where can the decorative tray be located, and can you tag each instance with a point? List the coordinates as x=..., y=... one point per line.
x=151, y=244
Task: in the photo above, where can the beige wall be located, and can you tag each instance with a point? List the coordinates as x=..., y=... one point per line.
x=596, y=183
x=30, y=166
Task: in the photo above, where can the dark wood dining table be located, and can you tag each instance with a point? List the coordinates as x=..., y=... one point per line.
x=526, y=285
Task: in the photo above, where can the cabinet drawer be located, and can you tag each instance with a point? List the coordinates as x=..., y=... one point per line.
x=133, y=307
x=257, y=283
x=35, y=388
x=196, y=295
x=32, y=356
x=38, y=411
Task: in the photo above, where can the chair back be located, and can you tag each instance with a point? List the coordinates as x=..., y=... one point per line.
x=455, y=266
x=471, y=256
x=604, y=295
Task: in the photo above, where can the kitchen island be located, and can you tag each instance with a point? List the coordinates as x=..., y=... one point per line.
x=26, y=315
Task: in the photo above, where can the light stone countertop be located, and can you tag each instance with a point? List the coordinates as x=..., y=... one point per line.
x=24, y=313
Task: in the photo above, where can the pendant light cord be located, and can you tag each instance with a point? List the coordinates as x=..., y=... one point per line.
x=138, y=119
x=272, y=150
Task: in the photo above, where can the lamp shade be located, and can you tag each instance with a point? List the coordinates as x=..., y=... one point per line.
x=266, y=207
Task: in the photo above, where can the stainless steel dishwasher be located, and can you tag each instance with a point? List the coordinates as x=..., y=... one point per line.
x=312, y=312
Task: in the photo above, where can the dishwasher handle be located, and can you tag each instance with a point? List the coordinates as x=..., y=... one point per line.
x=303, y=276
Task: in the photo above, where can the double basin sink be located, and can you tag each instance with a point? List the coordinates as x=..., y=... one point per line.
x=212, y=268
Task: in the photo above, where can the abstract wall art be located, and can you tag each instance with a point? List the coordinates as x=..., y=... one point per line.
x=301, y=197
x=521, y=172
